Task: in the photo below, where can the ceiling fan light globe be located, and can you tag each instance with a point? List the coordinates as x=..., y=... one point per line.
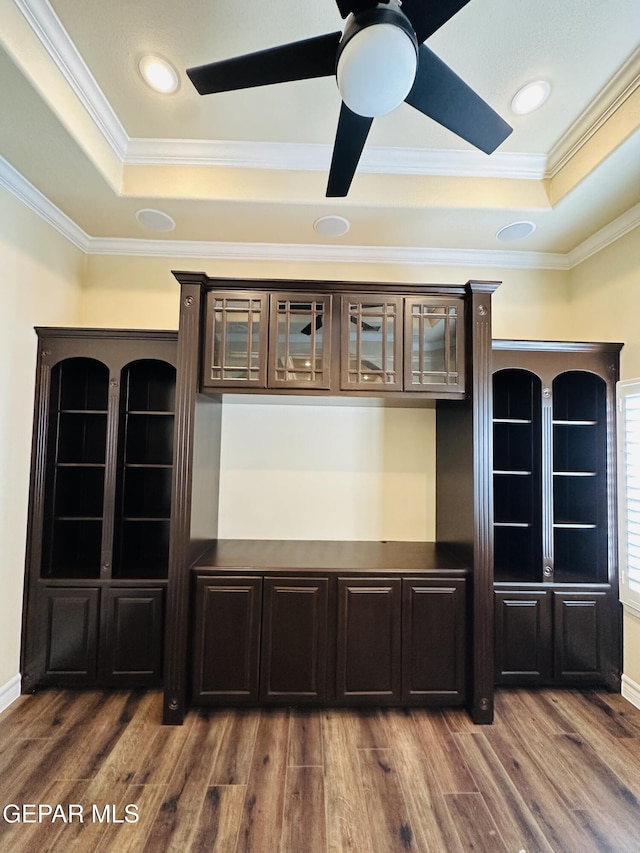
x=376, y=69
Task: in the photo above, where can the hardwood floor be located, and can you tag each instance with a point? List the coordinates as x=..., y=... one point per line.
x=558, y=771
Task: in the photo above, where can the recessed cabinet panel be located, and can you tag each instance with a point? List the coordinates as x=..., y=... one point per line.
x=133, y=631
x=523, y=637
x=433, y=642
x=227, y=639
x=368, y=638
x=237, y=328
x=71, y=619
x=300, y=341
x=371, y=343
x=579, y=629
x=434, y=345
x=294, y=639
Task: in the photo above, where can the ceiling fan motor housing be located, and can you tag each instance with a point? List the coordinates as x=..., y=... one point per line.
x=376, y=60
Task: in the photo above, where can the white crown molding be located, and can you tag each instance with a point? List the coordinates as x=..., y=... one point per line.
x=317, y=158
x=9, y=692
x=621, y=86
x=49, y=29
x=329, y=254
x=13, y=182
x=605, y=236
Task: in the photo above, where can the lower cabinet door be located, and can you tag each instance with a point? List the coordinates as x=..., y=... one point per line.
x=227, y=640
x=523, y=641
x=579, y=635
x=368, y=655
x=132, y=630
x=294, y=640
x=433, y=640
x=70, y=644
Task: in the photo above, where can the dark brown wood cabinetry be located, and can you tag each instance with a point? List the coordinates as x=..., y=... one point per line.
x=347, y=626
x=285, y=340
x=294, y=640
x=368, y=639
x=557, y=616
x=318, y=634
x=100, y=509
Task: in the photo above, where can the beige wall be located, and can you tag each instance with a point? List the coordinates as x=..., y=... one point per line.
x=605, y=301
x=41, y=280
x=604, y=294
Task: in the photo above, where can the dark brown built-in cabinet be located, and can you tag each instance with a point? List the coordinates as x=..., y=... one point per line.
x=556, y=601
x=339, y=622
x=100, y=509
x=128, y=582
x=344, y=623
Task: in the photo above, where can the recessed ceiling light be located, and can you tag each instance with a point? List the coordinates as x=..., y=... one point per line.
x=516, y=231
x=155, y=220
x=530, y=97
x=159, y=74
x=332, y=226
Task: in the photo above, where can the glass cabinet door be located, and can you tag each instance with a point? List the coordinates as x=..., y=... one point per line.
x=434, y=345
x=236, y=340
x=300, y=341
x=371, y=343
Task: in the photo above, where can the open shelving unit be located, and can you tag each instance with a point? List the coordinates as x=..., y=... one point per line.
x=555, y=580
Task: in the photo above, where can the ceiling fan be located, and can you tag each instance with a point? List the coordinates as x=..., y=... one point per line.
x=379, y=62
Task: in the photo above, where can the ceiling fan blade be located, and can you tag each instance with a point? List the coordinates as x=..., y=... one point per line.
x=345, y=7
x=428, y=17
x=443, y=96
x=350, y=139
x=299, y=60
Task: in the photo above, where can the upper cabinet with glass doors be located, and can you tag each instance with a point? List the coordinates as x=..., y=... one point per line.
x=357, y=342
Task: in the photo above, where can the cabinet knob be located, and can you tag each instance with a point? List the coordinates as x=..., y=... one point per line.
x=547, y=571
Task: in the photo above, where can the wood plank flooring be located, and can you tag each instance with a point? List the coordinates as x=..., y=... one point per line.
x=557, y=771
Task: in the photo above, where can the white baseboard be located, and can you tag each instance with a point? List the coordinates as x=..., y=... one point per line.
x=10, y=691
x=631, y=690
